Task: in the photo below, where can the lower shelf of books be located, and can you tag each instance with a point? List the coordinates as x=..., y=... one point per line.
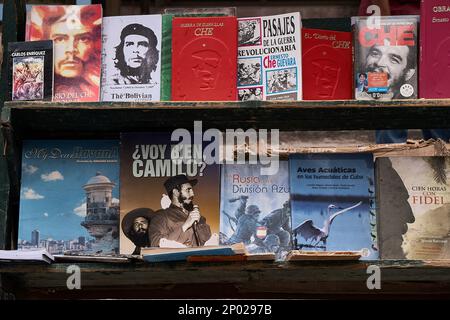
x=392, y=278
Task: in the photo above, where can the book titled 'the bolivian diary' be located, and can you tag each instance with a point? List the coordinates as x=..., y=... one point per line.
x=327, y=64
x=204, y=58
x=69, y=197
x=414, y=207
x=434, y=76
x=169, y=195
x=385, y=60
x=131, y=61
x=76, y=34
x=333, y=203
x=254, y=208
x=30, y=73
x=269, y=57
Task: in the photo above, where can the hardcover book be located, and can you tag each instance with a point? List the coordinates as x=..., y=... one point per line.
x=269, y=58
x=166, y=57
x=254, y=208
x=69, y=198
x=31, y=70
x=169, y=195
x=131, y=61
x=327, y=65
x=385, y=57
x=76, y=34
x=333, y=203
x=434, y=76
x=204, y=59
x=414, y=207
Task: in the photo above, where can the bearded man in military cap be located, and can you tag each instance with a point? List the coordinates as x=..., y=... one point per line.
x=136, y=55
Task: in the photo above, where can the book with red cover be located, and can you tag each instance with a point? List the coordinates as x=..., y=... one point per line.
x=434, y=59
x=327, y=64
x=204, y=59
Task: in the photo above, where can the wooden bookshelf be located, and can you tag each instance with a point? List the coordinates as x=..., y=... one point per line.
x=399, y=279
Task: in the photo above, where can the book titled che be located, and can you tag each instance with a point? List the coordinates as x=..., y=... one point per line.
x=204, y=65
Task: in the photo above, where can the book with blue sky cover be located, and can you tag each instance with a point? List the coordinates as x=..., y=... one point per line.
x=69, y=199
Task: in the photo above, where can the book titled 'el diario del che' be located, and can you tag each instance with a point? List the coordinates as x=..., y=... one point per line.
x=327, y=64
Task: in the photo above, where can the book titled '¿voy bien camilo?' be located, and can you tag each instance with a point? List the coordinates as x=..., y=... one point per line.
x=169, y=195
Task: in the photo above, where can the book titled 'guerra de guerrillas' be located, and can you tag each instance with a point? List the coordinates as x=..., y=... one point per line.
x=327, y=64
x=269, y=57
x=385, y=57
x=131, y=64
x=30, y=70
x=76, y=34
x=414, y=207
x=254, y=208
x=204, y=58
x=333, y=203
x=434, y=76
x=69, y=197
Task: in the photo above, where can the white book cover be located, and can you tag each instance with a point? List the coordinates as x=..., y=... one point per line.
x=269, y=57
x=131, y=58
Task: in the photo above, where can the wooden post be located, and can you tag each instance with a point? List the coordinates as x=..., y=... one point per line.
x=13, y=30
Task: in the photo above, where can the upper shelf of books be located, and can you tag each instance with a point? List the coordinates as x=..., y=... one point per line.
x=201, y=55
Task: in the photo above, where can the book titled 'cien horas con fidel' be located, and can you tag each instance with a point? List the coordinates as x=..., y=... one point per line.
x=414, y=207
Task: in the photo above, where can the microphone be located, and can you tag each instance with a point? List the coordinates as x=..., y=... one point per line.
x=194, y=228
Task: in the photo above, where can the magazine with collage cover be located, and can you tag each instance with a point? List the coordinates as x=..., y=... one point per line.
x=30, y=70
x=131, y=58
x=269, y=58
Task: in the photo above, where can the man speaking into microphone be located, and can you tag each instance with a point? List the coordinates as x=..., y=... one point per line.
x=181, y=224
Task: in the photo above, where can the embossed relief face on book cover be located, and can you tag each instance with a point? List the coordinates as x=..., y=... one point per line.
x=159, y=193
x=415, y=221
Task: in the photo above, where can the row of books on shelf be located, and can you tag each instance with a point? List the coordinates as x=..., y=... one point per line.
x=150, y=195
x=72, y=53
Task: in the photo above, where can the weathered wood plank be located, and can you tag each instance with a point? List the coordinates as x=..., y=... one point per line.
x=245, y=279
x=93, y=119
